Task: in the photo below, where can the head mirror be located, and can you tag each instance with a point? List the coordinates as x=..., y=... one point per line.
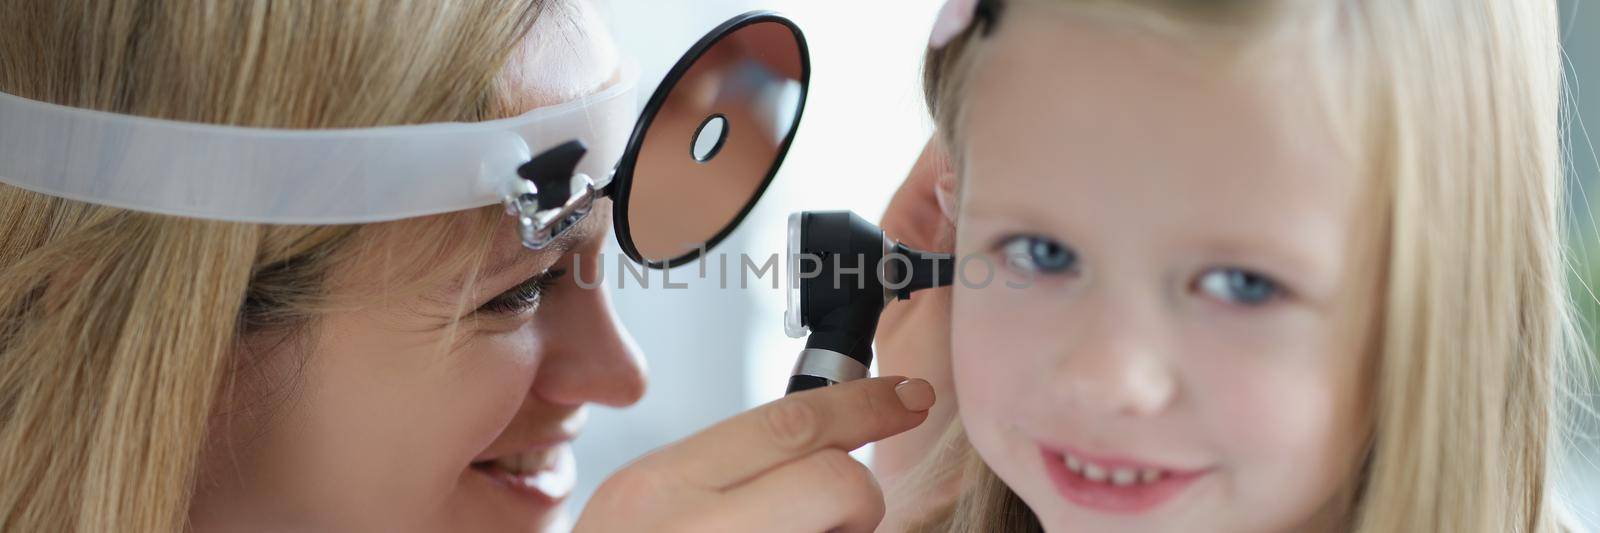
x=711, y=139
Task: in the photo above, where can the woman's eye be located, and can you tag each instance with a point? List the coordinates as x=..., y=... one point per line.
x=522, y=298
x=1039, y=255
x=1238, y=286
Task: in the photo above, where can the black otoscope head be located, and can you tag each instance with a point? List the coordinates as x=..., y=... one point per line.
x=843, y=273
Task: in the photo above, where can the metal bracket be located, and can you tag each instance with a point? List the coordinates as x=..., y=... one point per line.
x=540, y=227
x=549, y=196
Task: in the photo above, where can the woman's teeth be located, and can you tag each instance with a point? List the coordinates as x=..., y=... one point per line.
x=525, y=463
x=550, y=471
x=1120, y=477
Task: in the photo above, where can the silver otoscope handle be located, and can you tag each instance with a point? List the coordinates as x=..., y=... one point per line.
x=820, y=368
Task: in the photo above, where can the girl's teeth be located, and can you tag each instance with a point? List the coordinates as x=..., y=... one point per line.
x=1120, y=477
x=1094, y=472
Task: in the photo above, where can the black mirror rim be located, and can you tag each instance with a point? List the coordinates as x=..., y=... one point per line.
x=623, y=179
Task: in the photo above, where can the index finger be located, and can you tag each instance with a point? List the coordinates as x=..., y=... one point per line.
x=844, y=416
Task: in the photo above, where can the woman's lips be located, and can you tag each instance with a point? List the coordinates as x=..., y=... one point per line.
x=546, y=476
x=1114, y=485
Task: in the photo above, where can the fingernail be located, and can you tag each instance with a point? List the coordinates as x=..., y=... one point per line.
x=915, y=394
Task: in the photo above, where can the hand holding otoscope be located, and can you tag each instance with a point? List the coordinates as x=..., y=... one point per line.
x=843, y=272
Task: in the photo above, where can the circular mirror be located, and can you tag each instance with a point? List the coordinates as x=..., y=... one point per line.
x=735, y=100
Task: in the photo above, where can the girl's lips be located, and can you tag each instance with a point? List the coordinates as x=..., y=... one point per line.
x=1114, y=485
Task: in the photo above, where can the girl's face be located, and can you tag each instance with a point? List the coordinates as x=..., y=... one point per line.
x=1191, y=351
x=384, y=426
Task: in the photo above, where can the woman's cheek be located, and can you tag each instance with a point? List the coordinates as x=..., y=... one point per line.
x=495, y=376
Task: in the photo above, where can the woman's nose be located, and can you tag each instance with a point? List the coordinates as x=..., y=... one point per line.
x=589, y=357
x=1117, y=364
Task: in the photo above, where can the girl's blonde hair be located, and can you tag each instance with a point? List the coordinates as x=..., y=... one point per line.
x=121, y=333
x=1455, y=106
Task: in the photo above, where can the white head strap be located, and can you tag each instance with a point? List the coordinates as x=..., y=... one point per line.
x=275, y=176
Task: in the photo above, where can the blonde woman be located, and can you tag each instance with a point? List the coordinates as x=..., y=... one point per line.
x=163, y=374
x=1290, y=266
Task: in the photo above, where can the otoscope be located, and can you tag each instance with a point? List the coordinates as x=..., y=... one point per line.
x=843, y=272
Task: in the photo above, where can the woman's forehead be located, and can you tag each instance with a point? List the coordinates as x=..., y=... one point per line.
x=568, y=54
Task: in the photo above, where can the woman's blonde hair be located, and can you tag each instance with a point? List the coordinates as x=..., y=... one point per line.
x=123, y=335
x=1455, y=107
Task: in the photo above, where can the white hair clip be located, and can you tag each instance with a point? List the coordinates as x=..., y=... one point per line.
x=958, y=15
x=954, y=18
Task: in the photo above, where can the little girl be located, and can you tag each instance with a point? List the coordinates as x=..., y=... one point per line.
x=1287, y=266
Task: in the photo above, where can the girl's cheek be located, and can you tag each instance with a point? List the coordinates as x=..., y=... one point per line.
x=998, y=337
x=971, y=331
x=1256, y=367
x=1271, y=410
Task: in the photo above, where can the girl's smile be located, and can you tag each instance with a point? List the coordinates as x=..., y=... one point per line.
x=1115, y=484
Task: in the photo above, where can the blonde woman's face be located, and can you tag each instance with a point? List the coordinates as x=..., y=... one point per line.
x=1189, y=352
x=389, y=428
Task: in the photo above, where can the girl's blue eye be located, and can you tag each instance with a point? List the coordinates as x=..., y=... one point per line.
x=1237, y=286
x=1039, y=255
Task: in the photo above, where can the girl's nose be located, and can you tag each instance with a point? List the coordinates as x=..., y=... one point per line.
x=589, y=357
x=1118, y=364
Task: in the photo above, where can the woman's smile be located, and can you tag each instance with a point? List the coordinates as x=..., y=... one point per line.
x=537, y=479
x=538, y=468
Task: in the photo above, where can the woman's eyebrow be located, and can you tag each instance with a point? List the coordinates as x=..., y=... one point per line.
x=502, y=263
x=587, y=229
x=521, y=256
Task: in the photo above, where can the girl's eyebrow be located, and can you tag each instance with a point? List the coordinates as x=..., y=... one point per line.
x=1289, y=259
x=1009, y=212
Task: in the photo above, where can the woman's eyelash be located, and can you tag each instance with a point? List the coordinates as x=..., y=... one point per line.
x=524, y=297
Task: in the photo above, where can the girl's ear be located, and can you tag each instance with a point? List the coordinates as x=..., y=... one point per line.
x=923, y=212
x=945, y=191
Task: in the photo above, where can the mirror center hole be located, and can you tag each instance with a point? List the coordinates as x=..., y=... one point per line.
x=710, y=138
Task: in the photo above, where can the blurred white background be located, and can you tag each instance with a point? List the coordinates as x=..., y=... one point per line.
x=713, y=353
